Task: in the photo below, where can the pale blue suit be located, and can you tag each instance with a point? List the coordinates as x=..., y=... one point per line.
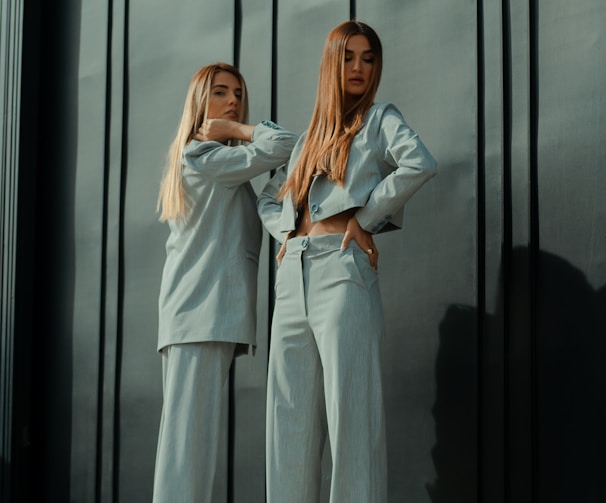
x=209, y=283
x=207, y=304
x=324, y=370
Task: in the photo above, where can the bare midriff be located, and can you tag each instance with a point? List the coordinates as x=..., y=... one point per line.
x=336, y=224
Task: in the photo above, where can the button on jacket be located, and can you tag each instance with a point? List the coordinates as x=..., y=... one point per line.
x=387, y=164
x=209, y=282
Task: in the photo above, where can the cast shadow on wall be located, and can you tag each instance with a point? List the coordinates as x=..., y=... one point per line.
x=569, y=438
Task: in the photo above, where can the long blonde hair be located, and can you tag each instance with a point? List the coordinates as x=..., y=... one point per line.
x=333, y=127
x=172, y=200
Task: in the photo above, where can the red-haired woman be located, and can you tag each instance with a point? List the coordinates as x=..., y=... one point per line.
x=207, y=304
x=348, y=178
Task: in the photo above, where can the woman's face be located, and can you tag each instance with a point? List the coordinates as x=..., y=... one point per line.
x=359, y=61
x=225, y=99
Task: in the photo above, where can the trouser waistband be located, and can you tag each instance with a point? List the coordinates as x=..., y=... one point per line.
x=315, y=243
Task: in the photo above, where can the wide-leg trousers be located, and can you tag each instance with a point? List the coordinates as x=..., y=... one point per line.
x=324, y=375
x=194, y=375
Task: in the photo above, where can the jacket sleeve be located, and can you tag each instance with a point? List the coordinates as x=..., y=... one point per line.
x=269, y=208
x=411, y=163
x=270, y=148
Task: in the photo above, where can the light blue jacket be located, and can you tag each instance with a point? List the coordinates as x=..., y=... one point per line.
x=209, y=282
x=387, y=164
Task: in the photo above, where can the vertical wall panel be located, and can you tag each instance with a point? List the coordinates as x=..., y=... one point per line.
x=51, y=173
x=428, y=270
x=517, y=266
x=88, y=237
x=571, y=265
x=490, y=252
x=256, y=62
x=167, y=43
x=113, y=301
x=11, y=36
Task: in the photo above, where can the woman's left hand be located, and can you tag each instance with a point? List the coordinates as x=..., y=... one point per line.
x=364, y=240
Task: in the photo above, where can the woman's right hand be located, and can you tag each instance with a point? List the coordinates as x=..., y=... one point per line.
x=223, y=130
x=282, y=251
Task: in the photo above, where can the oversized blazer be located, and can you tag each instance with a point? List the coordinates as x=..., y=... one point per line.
x=387, y=164
x=208, y=290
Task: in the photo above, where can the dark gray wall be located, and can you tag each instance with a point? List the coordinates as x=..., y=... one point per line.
x=494, y=291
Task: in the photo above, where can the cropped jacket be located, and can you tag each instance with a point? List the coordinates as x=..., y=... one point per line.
x=387, y=164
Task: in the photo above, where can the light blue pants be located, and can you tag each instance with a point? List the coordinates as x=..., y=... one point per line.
x=324, y=375
x=192, y=417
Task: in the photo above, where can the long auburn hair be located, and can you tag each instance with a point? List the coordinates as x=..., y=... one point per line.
x=172, y=200
x=333, y=127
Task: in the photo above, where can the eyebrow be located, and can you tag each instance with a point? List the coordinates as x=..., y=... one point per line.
x=223, y=86
x=363, y=52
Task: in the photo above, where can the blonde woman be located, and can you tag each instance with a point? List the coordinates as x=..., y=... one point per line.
x=207, y=302
x=348, y=178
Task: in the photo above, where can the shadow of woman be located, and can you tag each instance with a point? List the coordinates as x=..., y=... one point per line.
x=568, y=408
